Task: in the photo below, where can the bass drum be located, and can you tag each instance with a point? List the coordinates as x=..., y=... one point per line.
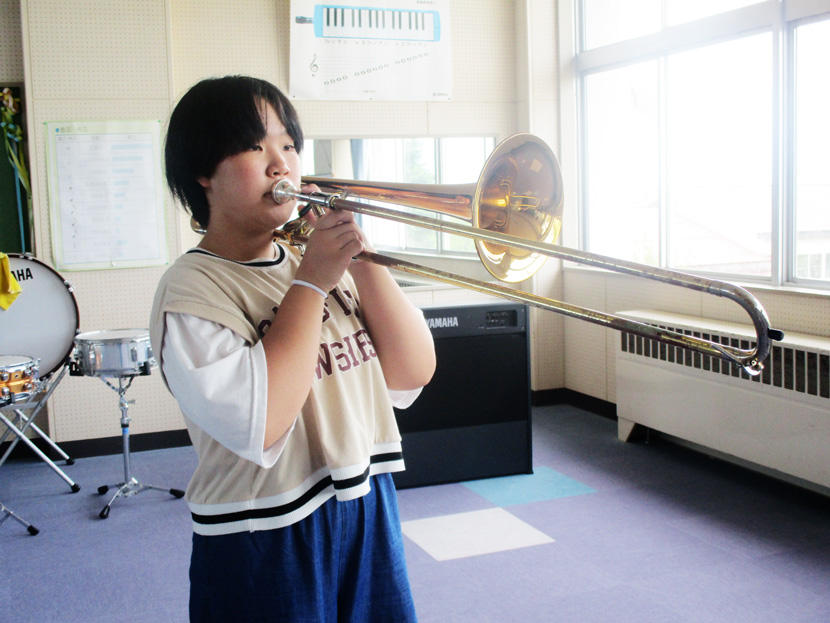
x=42, y=321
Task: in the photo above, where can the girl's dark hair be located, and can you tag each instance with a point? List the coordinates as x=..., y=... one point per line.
x=217, y=118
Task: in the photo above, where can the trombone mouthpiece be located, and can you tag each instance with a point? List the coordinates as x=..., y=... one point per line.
x=282, y=192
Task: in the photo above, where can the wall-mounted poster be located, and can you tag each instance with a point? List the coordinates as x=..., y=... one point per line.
x=372, y=50
x=106, y=199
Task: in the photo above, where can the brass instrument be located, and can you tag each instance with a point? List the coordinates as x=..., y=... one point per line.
x=515, y=211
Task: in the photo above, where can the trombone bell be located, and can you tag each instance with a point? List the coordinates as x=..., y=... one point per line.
x=519, y=193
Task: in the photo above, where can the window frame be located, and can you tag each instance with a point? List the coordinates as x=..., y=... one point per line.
x=781, y=18
x=442, y=249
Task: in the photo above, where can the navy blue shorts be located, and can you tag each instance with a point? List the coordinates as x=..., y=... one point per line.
x=343, y=563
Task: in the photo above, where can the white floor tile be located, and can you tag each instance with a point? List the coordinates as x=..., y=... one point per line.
x=471, y=534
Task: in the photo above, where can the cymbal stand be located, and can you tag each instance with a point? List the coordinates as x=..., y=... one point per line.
x=130, y=486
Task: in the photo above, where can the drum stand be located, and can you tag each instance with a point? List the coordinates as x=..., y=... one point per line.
x=24, y=422
x=6, y=512
x=130, y=486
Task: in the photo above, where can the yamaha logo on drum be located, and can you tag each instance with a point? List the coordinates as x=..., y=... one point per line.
x=22, y=274
x=442, y=322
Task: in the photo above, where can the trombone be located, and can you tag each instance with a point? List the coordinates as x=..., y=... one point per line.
x=515, y=211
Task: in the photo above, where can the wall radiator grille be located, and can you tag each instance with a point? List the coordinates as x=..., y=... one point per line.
x=788, y=367
x=777, y=422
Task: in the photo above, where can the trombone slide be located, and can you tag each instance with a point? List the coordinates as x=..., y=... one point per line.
x=515, y=209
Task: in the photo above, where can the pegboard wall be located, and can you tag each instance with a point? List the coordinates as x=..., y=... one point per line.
x=92, y=51
x=215, y=38
x=11, y=45
x=87, y=62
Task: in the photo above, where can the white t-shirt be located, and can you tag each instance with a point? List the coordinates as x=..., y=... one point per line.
x=223, y=383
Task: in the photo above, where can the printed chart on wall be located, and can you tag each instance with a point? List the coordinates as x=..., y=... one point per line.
x=105, y=194
x=372, y=50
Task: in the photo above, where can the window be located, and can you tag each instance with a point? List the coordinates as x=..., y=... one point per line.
x=811, y=160
x=611, y=21
x=704, y=135
x=453, y=160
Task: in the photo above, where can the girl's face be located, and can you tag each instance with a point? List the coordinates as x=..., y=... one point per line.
x=239, y=191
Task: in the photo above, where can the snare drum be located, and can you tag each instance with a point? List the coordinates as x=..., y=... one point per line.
x=18, y=378
x=113, y=353
x=43, y=320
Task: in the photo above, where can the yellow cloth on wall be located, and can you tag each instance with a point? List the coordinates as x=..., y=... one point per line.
x=9, y=288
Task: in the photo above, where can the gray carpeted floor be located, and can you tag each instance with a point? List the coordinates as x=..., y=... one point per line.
x=629, y=532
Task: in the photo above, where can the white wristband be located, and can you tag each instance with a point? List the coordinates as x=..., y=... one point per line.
x=306, y=284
